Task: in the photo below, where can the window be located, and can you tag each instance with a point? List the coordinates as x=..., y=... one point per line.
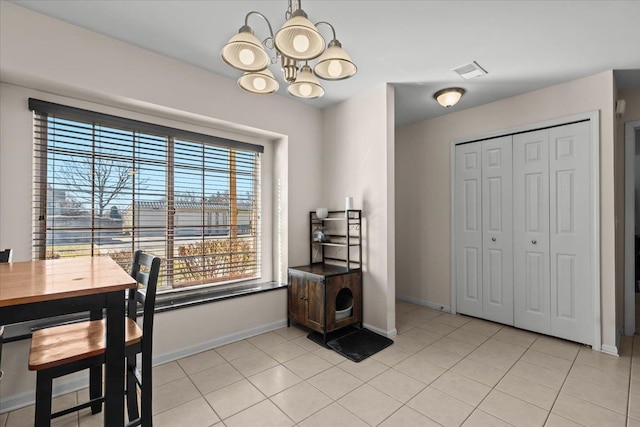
x=106, y=185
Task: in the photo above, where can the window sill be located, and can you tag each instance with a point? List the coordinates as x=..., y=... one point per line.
x=167, y=302
x=176, y=301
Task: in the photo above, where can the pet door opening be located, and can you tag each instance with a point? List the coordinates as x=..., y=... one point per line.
x=344, y=304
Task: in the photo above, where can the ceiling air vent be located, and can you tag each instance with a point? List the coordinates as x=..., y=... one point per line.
x=469, y=71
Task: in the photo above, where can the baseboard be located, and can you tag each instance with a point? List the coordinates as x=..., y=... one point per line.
x=424, y=303
x=389, y=334
x=20, y=400
x=609, y=349
x=60, y=387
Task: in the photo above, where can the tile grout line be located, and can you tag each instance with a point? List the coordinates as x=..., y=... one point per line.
x=387, y=369
x=628, y=417
x=594, y=384
x=633, y=343
x=405, y=403
x=201, y=395
x=305, y=380
x=268, y=398
x=451, y=367
x=476, y=347
x=477, y=407
x=561, y=387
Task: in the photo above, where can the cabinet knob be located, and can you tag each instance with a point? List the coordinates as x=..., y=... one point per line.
x=534, y=241
x=303, y=298
x=493, y=239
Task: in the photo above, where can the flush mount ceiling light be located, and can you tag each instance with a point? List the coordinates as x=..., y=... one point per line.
x=449, y=97
x=296, y=43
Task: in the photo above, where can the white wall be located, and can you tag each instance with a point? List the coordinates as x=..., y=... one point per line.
x=358, y=162
x=63, y=63
x=423, y=185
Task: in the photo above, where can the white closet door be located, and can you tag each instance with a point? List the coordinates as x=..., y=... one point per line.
x=468, y=226
x=531, y=231
x=571, y=294
x=497, y=230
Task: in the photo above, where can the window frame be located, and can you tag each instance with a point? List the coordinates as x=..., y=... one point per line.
x=86, y=116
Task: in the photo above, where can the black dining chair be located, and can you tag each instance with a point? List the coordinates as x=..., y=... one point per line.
x=5, y=256
x=62, y=350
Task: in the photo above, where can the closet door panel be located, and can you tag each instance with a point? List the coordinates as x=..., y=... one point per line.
x=468, y=226
x=531, y=231
x=570, y=243
x=497, y=230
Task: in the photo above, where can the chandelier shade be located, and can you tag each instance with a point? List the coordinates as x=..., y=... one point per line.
x=449, y=97
x=260, y=82
x=299, y=39
x=335, y=63
x=306, y=85
x=244, y=52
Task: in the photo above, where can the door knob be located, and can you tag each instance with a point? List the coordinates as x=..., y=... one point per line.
x=493, y=239
x=534, y=241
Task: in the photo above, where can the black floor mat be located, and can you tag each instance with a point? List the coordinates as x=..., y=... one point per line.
x=360, y=344
x=318, y=338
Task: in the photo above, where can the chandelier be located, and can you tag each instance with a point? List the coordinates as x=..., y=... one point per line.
x=294, y=45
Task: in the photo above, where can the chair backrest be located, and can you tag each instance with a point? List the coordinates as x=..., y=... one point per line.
x=145, y=269
x=5, y=256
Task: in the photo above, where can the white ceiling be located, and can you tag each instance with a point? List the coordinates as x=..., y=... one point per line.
x=524, y=45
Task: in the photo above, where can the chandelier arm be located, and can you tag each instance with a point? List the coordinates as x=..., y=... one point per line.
x=330, y=26
x=246, y=23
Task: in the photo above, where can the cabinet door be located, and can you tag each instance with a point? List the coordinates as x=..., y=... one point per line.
x=316, y=304
x=570, y=245
x=468, y=226
x=531, y=230
x=497, y=230
x=298, y=290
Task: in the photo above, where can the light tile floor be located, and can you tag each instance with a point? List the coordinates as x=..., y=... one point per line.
x=443, y=370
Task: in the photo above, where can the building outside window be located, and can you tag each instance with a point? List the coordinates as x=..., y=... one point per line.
x=106, y=185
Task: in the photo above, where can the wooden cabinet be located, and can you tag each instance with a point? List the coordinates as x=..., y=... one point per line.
x=326, y=295
x=318, y=292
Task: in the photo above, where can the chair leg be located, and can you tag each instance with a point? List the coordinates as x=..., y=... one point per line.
x=44, y=387
x=132, y=398
x=146, y=390
x=95, y=387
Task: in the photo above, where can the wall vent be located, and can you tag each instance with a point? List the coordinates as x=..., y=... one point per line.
x=471, y=70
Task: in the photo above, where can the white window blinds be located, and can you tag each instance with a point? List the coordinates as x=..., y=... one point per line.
x=107, y=185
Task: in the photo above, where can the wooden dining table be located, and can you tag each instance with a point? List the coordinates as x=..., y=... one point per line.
x=32, y=290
